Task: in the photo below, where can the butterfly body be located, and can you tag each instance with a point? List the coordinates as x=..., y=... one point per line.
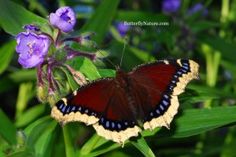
x=120, y=107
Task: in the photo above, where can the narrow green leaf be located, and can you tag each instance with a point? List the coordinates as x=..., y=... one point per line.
x=70, y=152
x=107, y=72
x=196, y=121
x=21, y=153
x=34, y=130
x=146, y=133
x=23, y=75
x=101, y=19
x=104, y=149
x=71, y=81
x=44, y=143
x=7, y=130
x=23, y=97
x=30, y=115
x=143, y=147
x=94, y=142
x=224, y=47
x=6, y=53
x=85, y=66
x=13, y=17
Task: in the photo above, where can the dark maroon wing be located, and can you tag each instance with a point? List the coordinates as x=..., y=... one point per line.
x=102, y=105
x=160, y=83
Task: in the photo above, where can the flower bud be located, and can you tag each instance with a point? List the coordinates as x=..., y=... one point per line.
x=64, y=19
x=42, y=94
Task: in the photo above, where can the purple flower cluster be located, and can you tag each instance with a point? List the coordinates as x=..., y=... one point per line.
x=33, y=45
x=40, y=49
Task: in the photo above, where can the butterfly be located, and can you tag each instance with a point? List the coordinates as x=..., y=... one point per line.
x=121, y=107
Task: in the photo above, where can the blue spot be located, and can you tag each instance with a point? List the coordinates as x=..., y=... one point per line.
x=151, y=114
x=107, y=124
x=157, y=111
x=60, y=107
x=185, y=67
x=119, y=126
x=183, y=70
x=112, y=124
x=165, y=102
x=63, y=109
x=68, y=109
x=162, y=108
x=179, y=73
x=73, y=108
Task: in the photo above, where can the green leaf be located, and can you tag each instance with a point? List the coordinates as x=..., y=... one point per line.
x=85, y=66
x=227, y=49
x=34, y=130
x=143, y=147
x=7, y=130
x=71, y=81
x=107, y=72
x=198, y=26
x=196, y=121
x=70, y=152
x=13, y=17
x=21, y=153
x=24, y=95
x=97, y=145
x=94, y=142
x=44, y=143
x=23, y=75
x=101, y=19
x=30, y=115
x=6, y=53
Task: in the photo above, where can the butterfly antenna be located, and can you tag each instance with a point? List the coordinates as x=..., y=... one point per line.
x=107, y=59
x=122, y=55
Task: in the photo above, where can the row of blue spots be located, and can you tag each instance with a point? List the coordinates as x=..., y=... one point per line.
x=184, y=69
x=115, y=125
x=66, y=109
x=161, y=108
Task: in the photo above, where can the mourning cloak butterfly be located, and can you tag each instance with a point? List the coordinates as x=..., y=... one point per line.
x=119, y=108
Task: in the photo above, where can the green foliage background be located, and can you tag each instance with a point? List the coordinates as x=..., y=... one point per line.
x=205, y=124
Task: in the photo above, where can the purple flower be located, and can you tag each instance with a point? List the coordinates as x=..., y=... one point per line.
x=196, y=8
x=122, y=28
x=170, y=6
x=64, y=19
x=32, y=48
